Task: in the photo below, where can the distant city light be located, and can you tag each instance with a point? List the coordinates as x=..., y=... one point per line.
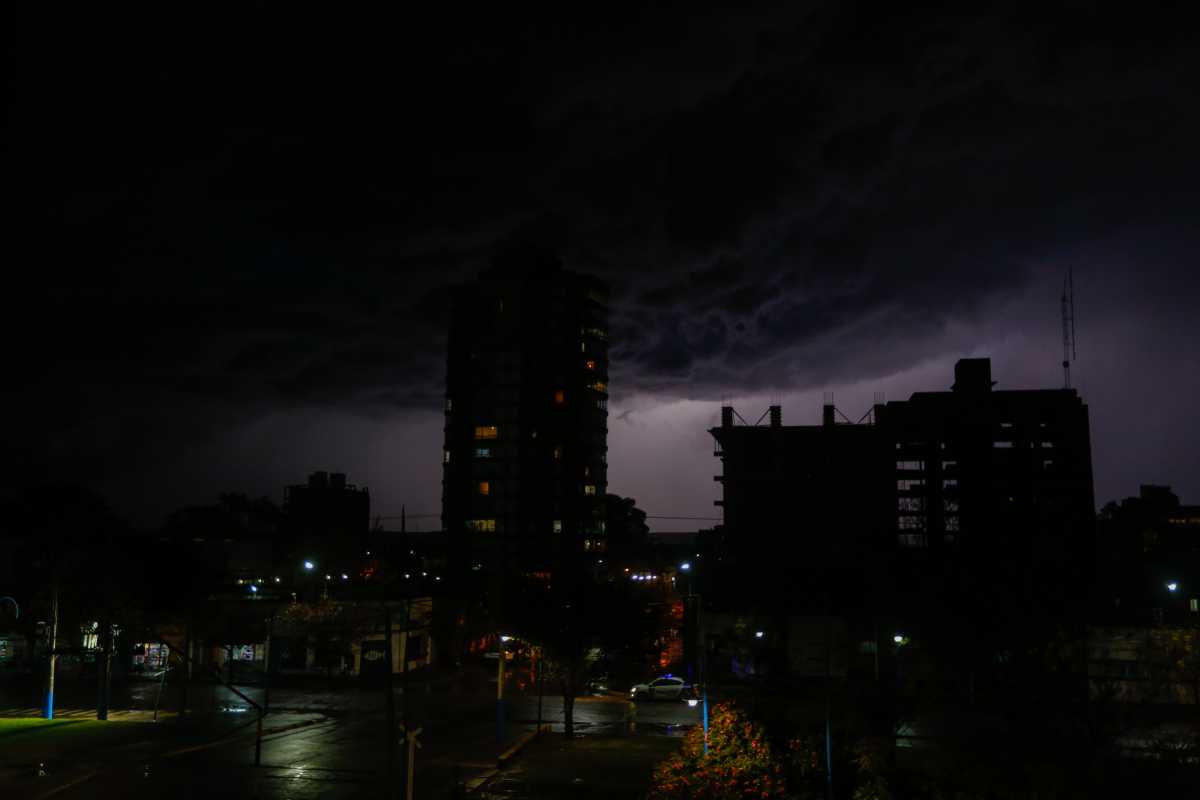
x=758, y=634
x=308, y=565
x=1172, y=586
x=685, y=566
x=277, y=579
x=504, y=638
x=328, y=577
x=345, y=577
x=253, y=588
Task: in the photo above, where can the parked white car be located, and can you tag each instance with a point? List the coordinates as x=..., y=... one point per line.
x=667, y=687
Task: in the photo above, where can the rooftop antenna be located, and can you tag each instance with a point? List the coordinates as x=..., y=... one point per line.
x=1068, y=326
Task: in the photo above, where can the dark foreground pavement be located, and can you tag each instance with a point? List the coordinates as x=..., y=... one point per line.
x=553, y=767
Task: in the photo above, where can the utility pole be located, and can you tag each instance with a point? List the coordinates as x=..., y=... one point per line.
x=267, y=665
x=541, y=687
x=49, y=709
x=408, y=776
x=500, y=688
x=828, y=689
x=186, y=676
x=104, y=667
x=391, y=700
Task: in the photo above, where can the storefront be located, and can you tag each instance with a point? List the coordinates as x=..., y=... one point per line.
x=150, y=656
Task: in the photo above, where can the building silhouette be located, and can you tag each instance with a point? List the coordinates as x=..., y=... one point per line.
x=326, y=522
x=526, y=418
x=967, y=514
x=1149, y=559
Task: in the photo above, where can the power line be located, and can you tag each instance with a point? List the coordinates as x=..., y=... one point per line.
x=704, y=519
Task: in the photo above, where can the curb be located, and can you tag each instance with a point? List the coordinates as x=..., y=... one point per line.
x=517, y=746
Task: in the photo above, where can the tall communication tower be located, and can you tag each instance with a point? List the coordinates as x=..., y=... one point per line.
x=1068, y=327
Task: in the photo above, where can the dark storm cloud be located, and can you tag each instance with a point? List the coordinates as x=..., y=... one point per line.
x=219, y=218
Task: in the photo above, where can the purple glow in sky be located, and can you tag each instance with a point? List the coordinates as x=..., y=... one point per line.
x=231, y=263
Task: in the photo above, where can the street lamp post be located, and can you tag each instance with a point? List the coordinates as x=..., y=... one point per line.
x=49, y=709
x=500, y=687
x=697, y=659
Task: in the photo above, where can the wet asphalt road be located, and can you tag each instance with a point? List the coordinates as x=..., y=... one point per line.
x=344, y=755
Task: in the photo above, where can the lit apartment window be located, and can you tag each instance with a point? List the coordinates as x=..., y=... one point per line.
x=1047, y=445
x=557, y=526
x=950, y=483
x=482, y=525
x=950, y=505
x=583, y=347
x=911, y=540
x=445, y=456
x=946, y=465
x=951, y=523
x=589, y=489
x=1194, y=604
x=560, y=397
x=558, y=451
x=486, y=432
x=587, y=545
x=449, y=405
x=1002, y=445
x=602, y=404
x=483, y=452
x=911, y=522
x=485, y=487
x=908, y=485
x=911, y=504
x=589, y=364
x=916, y=466
x=599, y=386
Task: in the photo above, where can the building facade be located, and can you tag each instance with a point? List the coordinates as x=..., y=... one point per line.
x=969, y=511
x=524, y=465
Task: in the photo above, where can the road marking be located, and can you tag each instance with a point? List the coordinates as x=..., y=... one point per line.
x=68, y=785
x=275, y=734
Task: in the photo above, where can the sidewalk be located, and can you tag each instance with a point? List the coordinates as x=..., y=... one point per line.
x=38, y=757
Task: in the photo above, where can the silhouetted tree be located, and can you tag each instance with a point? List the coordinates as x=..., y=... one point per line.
x=628, y=533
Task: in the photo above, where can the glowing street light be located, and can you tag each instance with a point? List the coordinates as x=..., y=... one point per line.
x=1172, y=586
x=308, y=565
x=685, y=566
x=253, y=589
x=758, y=634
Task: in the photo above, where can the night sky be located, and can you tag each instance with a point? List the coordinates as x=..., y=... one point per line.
x=230, y=235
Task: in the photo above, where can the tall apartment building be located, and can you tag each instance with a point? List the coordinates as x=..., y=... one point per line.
x=524, y=468
x=972, y=495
